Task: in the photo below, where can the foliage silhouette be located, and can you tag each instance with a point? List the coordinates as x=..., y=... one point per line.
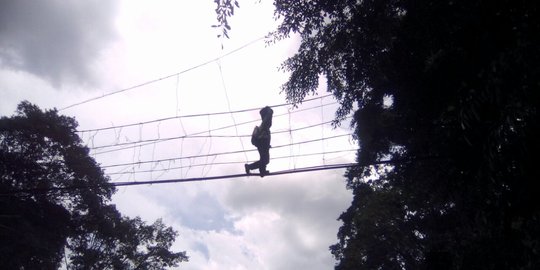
x=40, y=150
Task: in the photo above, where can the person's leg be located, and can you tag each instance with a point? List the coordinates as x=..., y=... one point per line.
x=264, y=159
x=256, y=164
x=264, y=153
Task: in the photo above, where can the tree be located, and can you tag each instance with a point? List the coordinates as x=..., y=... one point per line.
x=224, y=10
x=450, y=91
x=55, y=203
x=460, y=81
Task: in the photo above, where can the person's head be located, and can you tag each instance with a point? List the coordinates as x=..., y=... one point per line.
x=266, y=112
x=266, y=116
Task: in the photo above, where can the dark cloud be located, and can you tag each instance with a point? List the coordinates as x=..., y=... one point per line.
x=54, y=39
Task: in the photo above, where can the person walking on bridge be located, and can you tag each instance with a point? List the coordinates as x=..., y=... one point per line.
x=261, y=139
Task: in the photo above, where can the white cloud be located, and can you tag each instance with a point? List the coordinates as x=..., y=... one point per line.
x=290, y=220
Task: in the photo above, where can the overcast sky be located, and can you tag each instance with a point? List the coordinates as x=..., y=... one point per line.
x=59, y=53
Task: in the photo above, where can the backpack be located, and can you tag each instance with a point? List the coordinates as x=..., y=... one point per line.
x=255, y=140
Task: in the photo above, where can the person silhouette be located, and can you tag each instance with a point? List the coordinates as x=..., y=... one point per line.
x=261, y=139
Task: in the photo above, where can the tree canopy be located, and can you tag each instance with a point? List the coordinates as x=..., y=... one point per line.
x=448, y=89
x=55, y=203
